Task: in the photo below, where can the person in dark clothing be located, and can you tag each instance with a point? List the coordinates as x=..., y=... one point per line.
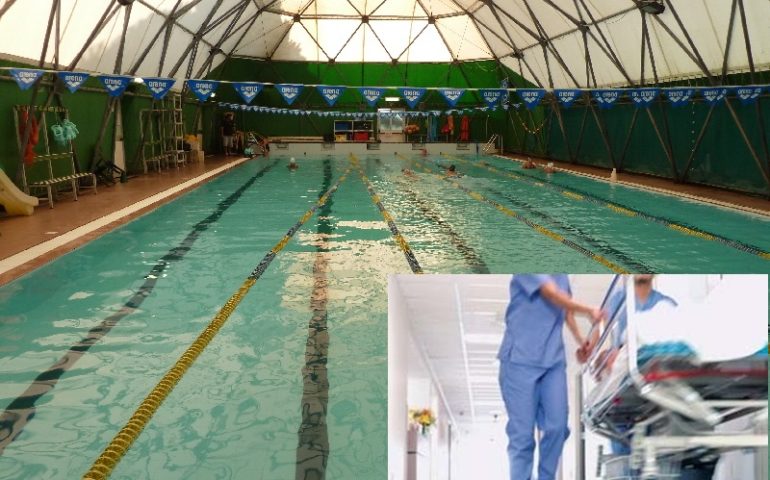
x=228, y=133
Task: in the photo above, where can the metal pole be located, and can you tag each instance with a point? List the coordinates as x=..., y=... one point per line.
x=605, y=136
x=702, y=132
x=628, y=139
x=746, y=140
x=666, y=147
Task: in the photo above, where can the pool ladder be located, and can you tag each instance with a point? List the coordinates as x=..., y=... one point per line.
x=491, y=145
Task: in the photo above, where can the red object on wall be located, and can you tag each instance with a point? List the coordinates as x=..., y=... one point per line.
x=34, y=136
x=465, y=129
x=361, y=136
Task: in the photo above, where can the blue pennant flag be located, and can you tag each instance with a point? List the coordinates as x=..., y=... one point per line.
x=451, y=95
x=25, y=77
x=412, y=95
x=567, y=96
x=248, y=90
x=73, y=80
x=330, y=93
x=748, y=95
x=491, y=95
x=158, y=87
x=607, y=98
x=203, y=89
x=289, y=91
x=115, y=84
x=531, y=96
x=679, y=96
x=371, y=94
x=643, y=97
x=714, y=95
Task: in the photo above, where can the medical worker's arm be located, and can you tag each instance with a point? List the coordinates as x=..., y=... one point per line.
x=569, y=319
x=551, y=292
x=582, y=352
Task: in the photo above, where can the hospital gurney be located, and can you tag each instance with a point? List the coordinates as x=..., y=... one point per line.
x=664, y=387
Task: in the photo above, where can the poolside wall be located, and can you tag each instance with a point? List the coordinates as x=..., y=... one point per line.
x=722, y=159
x=88, y=104
x=482, y=74
x=86, y=109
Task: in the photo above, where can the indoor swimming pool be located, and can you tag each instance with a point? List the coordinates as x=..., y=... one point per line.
x=295, y=382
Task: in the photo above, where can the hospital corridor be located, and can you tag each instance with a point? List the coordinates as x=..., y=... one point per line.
x=590, y=377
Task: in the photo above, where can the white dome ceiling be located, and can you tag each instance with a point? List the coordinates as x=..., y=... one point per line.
x=541, y=39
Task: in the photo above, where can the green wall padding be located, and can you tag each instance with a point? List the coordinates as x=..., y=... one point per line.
x=722, y=159
x=484, y=74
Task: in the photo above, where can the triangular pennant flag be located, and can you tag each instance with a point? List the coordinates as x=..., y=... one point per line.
x=679, y=96
x=451, y=95
x=411, y=95
x=643, y=97
x=748, y=94
x=567, y=96
x=25, y=77
x=606, y=98
x=248, y=90
x=73, y=80
x=330, y=93
x=714, y=95
x=491, y=95
x=159, y=87
x=203, y=89
x=531, y=96
x=114, y=84
x=371, y=94
x=289, y=91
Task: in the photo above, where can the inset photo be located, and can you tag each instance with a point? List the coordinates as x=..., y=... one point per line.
x=577, y=377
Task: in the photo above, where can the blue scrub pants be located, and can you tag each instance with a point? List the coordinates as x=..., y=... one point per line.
x=535, y=396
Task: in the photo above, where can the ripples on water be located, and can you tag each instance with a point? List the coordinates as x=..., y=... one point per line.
x=237, y=412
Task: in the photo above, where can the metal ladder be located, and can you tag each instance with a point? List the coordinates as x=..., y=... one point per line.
x=491, y=145
x=176, y=141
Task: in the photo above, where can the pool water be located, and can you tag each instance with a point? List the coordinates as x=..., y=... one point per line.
x=295, y=383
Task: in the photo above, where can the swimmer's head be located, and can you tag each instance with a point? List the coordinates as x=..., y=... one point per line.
x=452, y=168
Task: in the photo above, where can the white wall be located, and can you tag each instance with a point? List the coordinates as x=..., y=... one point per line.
x=398, y=335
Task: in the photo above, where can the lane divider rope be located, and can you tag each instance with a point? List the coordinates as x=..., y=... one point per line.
x=400, y=240
x=22, y=409
x=625, y=210
x=537, y=227
x=119, y=445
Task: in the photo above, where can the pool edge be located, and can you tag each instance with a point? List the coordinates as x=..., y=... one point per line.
x=34, y=257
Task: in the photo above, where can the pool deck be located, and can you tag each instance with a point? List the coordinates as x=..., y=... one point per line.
x=27, y=243
x=717, y=196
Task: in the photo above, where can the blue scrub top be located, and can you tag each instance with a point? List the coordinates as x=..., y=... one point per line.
x=533, y=325
x=653, y=299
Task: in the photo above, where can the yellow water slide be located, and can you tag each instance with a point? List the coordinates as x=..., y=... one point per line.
x=14, y=200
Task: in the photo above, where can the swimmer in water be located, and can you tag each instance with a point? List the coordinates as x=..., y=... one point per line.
x=293, y=164
x=549, y=168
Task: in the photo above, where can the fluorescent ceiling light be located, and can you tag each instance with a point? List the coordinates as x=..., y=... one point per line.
x=392, y=99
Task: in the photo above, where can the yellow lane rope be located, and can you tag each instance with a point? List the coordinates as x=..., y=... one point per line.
x=400, y=240
x=537, y=227
x=617, y=208
x=119, y=445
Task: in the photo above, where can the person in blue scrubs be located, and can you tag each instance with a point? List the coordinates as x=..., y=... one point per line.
x=533, y=378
